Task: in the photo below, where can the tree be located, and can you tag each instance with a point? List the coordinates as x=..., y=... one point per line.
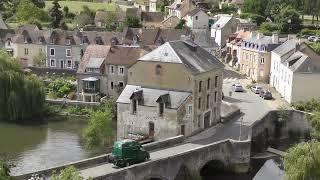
x=69, y=173
x=181, y=24
x=255, y=6
x=27, y=11
x=40, y=59
x=4, y=171
x=314, y=121
x=303, y=161
x=100, y=128
x=56, y=14
x=289, y=20
x=133, y=21
x=111, y=20
x=83, y=19
x=66, y=11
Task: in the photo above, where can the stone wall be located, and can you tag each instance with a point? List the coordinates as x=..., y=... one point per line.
x=72, y=103
x=51, y=71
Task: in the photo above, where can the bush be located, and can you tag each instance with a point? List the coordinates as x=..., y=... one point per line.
x=4, y=171
x=268, y=28
x=70, y=173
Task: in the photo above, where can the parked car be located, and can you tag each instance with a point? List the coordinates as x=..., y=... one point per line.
x=311, y=38
x=306, y=36
x=237, y=87
x=256, y=89
x=265, y=94
x=127, y=152
x=317, y=39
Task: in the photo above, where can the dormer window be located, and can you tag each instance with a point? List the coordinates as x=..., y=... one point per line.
x=163, y=102
x=134, y=106
x=40, y=40
x=25, y=39
x=68, y=41
x=52, y=40
x=161, y=108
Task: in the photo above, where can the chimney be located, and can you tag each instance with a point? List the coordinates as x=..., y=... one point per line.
x=259, y=35
x=252, y=34
x=275, y=38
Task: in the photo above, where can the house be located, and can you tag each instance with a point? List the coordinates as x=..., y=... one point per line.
x=270, y=170
x=103, y=70
x=295, y=68
x=144, y=5
x=152, y=19
x=255, y=56
x=197, y=19
x=175, y=89
x=222, y=28
x=233, y=47
x=179, y=8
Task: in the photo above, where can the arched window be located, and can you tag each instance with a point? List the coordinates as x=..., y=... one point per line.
x=158, y=69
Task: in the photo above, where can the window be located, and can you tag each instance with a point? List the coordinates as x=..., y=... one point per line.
x=196, y=17
x=216, y=81
x=189, y=111
x=199, y=120
x=134, y=106
x=68, y=41
x=52, y=51
x=200, y=86
x=26, y=51
x=121, y=70
x=215, y=96
x=52, y=63
x=68, y=52
x=120, y=85
x=208, y=84
x=111, y=85
x=158, y=69
x=161, y=108
x=208, y=101
x=261, y=73
x=199, y=103
x=69, y=64
x=111, y=69
x=262, y=60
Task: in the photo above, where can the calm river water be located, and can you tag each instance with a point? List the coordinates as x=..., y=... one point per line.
x=32, y=148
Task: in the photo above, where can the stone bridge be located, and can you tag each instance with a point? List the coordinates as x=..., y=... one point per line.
x=179, y=161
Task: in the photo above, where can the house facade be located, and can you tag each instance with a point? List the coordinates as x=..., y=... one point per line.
x=234, y=46
x=161, y=103
x=295, y=68
x=197, y=19
x=222, y=28
x=255, y=56
x=179, y=8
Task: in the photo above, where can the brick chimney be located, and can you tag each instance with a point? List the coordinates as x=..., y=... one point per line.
x=275, y=38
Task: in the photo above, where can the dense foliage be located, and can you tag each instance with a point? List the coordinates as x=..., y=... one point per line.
x=21, y=96
x=309, y=106
x=60, y=87
x=303, y=161
x=133, y=21
x=56, y=15
x=4, y=171
x=70, y=173
x=100, y=130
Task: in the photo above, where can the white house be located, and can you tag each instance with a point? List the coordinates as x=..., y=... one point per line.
x=197, y=19
x=221, y=30
x=179, y=8
x=295, y=71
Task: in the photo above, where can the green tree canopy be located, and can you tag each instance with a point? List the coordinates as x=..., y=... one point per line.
x=56, y=14
x=288, y=19
x=303, y=161
x=133, y=21
x=21, y=96
x=4, y=171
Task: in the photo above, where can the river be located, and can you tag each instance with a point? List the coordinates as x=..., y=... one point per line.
x=35, y=147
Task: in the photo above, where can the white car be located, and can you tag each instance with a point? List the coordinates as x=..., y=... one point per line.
x=237, y=87
x=256, y=89
x=311, y=38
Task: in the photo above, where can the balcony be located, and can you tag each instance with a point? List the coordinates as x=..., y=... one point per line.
x=91, y=85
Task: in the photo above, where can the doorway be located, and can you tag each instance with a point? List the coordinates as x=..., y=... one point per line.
x=61, y=64
x=207, y=119
x=183, y=129
x=151, y=129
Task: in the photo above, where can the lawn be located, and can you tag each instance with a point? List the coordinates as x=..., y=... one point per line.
x=76, y=6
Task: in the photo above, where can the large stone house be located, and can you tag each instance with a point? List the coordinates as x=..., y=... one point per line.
x=103, y=70
x=175, y=89
x=255, y=55
x=295, y=69
x=197, y=19
x=222, y=28
x=179, y=8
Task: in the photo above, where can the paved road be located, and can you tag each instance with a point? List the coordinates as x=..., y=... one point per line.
x=107, y=168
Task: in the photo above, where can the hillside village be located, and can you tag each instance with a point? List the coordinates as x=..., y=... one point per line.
x=193, y=71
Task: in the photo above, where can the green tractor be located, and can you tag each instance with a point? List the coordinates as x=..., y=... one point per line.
x=127, y=152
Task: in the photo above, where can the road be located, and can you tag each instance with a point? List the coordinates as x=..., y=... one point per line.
x=107, y=168
x=252, y=107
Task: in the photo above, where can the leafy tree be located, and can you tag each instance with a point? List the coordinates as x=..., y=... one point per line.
x=316, y=47
x=255, y=6
x=289, y=20
x=83, y=19
x=181, y=24
x=303, y=161
x=110, y=20
x=69, y=173
x=39, y=59
x=133, y=21
x=24, y=9
x=4, y=171
x=56, y=14
x=65, y=11
x=21, y=96
x=100, y=128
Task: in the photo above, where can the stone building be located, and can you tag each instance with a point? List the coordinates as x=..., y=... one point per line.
x=175, y=89
x=255, y=55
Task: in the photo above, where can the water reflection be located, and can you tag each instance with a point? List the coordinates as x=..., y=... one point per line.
x=33, y=148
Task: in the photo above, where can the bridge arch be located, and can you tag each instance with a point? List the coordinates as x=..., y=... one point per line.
x=212, y=167
x=155, y=177
x=183, y=173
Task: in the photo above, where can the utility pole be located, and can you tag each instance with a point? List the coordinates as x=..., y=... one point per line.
x=240, y=128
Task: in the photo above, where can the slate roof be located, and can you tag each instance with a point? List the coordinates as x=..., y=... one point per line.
x=150, y=96
x=92, y=51
x=95, y=62
x=125, y=56
x=286, y=47
x=152, y=16
x=194, y=11
x=222, y=21
x=2, y=23
x=269, y=171
x=195, y=58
